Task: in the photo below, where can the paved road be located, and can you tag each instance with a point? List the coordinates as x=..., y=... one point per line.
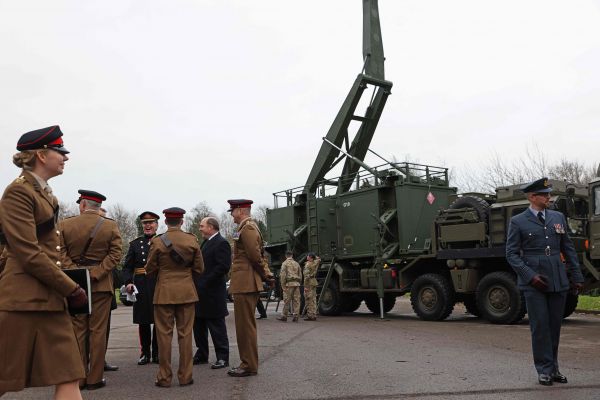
x=360, y=357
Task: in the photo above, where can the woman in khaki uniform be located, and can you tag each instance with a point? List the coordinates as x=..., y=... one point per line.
x=37, y=344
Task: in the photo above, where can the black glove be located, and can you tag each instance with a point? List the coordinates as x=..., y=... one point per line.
x=576, y=288
x=540, y=282
x=78, y=298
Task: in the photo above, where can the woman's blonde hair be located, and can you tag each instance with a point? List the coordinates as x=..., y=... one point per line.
x=26, y=159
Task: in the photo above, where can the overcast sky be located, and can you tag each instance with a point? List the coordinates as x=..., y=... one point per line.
x=168, y=103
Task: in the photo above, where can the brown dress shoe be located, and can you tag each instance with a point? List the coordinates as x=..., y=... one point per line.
x=191, y=382
x=295, y=319
x=310, y=319
x=161, y=384
x=240, y=372
x=283, y=318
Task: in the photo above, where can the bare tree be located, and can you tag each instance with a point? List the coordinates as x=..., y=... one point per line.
x=227, y=226
x=126, y=221
x=66, y=210
x=193, y=218
x=501, y=171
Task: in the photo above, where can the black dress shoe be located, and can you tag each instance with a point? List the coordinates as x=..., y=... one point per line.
x=154, y=359
x=98, y=385
x=198, y=361
x=219, y=364
x=261, y=317
x=545, y=380
x=240, y=372
x=558, y=377
x=187, y=383
x=108, y=367
x=144, y=359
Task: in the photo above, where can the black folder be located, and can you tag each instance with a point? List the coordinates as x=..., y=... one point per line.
x=81, y=276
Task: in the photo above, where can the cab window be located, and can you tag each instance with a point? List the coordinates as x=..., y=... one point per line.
x=597, y=200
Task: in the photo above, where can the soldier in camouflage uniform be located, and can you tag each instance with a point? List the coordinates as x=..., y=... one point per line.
x=290, y=277
x=310, y=286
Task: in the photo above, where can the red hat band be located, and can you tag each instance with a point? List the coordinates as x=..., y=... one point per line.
x=173, y=215
x=57, y=142
x=96, y=199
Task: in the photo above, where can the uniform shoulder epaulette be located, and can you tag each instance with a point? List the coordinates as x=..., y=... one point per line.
x=69, y=217
x=136, y=239
x=110, y=219
x=20, y=179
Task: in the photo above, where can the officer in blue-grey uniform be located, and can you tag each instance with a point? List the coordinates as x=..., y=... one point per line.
x=536, y=239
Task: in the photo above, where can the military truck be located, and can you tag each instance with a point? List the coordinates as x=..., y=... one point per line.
x=467, y=262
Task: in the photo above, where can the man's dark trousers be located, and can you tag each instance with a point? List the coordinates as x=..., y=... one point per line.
x=545, y=311
x=218, y=333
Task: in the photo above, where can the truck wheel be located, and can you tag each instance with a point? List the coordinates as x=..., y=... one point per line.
x=571, y=304
x=432, y=297
x=481, y=206
x=331, y=299
x=499, y=299
x=471, y=305
x=350, y=303
x=372, y=303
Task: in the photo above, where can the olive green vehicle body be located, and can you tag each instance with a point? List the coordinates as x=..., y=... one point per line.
x=443, y=253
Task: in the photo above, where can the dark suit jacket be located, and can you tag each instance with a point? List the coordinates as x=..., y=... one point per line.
x=212, y=293
x=526, y=252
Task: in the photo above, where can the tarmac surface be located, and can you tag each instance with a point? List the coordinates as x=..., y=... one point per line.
x=358, y=356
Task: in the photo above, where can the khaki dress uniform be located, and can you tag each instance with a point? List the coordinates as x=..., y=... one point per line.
x=245, y=286
x=174, y=300
x=291, y=277
x=39, y=348
x=310, y=287
x=103, y=255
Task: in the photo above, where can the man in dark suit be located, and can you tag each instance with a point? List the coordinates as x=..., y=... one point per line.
x=211, y=308
x=536, y=239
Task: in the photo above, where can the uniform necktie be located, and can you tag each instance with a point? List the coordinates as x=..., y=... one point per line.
x=540, y=216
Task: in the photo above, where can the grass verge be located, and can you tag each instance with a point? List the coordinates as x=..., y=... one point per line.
x=589, y=303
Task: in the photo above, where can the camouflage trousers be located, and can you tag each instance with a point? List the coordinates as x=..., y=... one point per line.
x=310, y=301
x=291, y=294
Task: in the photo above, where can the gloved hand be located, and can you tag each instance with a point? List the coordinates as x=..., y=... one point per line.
x=539, y=282
x=78, y=298
x=129, y=288
x=576, y=288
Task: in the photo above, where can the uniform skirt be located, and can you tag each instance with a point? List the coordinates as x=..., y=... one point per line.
x=37, y=348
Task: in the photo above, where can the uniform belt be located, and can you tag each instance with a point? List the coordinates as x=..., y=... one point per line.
x=139, y=271
x=87, y=263
x=541, y=252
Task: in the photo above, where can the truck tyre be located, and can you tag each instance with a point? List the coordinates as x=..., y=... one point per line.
x=331, y=301
x=499, y=299
x=482, y=208
x=372, y=303
x=350, y=303
x=571, y=304
x=432, y=297
x=471, y=305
